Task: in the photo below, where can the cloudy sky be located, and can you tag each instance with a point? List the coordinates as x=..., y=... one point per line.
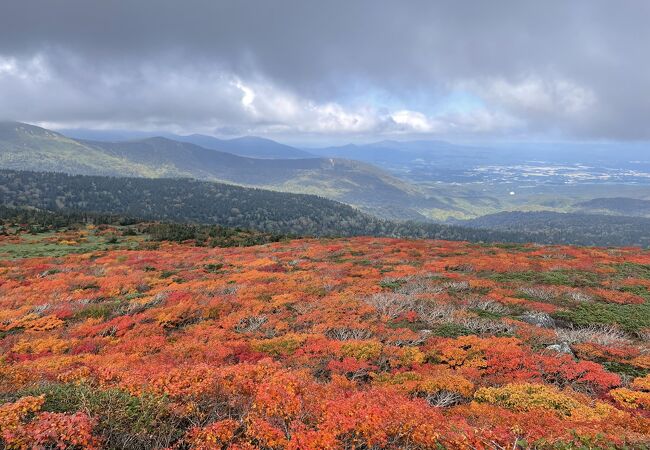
x=333, y=70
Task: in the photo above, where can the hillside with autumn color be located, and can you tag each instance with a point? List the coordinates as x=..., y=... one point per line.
x=112, y=340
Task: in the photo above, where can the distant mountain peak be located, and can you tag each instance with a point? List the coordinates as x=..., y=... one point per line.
x=248, y=146
x=253, y=139
x=157, y=139
x=386, y=142
x=14, y=129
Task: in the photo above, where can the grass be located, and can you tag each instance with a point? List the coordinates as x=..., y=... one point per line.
x=39, y=245
x=102, y=310
x=416, y=326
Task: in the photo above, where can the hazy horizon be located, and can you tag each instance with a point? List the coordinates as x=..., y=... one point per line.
x=327, y=141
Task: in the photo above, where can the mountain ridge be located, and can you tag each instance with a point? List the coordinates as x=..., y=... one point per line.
x=353, y=182
x=249, y=146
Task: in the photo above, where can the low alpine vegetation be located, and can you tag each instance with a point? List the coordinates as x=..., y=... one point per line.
x=163, y=340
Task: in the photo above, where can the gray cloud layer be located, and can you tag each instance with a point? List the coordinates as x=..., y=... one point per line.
x=578, y=69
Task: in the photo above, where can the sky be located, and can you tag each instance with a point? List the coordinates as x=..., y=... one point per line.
x=331, y=71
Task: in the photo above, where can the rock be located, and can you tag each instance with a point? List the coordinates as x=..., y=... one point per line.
x=562, y=347
x=539, y=319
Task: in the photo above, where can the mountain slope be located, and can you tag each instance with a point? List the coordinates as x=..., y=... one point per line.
x=349, y=181
x=26, y=147
x=249, y=146
x=394, y=154
x=185, y=200
x=564, y=228
x=181, y=200
x=616, y=205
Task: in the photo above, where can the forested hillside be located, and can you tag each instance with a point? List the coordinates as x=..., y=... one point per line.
x=564, y=228
x=186, y=200
x=183, y=200
x=616, y=205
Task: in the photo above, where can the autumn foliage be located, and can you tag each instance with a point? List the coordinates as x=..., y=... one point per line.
x=324, y=344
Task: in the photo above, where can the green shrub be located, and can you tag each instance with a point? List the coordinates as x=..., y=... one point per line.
x=97, y=311
x=625, y=369
x=631, y=318
x=124, y=420
x=486, y=314
x=417, y=325
x=573, y=278
x=451, y=330
x=213, y=268
x=392, y=283
x=633, y=270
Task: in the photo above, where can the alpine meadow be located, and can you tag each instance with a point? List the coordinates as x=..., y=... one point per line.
x=354, y=225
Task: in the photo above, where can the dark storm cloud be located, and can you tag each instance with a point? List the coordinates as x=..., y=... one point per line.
x=578, y=68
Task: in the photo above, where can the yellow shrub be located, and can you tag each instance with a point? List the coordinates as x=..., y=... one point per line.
x=415, y=383
x=34, y=322
x=527, y=397
x=631, y=399
x=35, y=346
x=642, y=384
x=11, y=414
x=76, y=375
x=362, y=350
x=642, y=361
x=279, y=346
x=410, y=355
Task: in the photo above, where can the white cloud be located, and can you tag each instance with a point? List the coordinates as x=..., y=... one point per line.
x=116, y=62
x=248, y=96
x=413, y=121
x=32, y=69
x=193, y=99
x=533, y=94
x=7, y=66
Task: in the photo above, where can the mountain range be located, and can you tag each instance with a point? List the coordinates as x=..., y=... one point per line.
x=416, y=180
x=27, y=147
x=249, y=146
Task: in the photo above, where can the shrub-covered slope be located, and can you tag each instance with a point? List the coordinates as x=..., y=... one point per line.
x=333, y=343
